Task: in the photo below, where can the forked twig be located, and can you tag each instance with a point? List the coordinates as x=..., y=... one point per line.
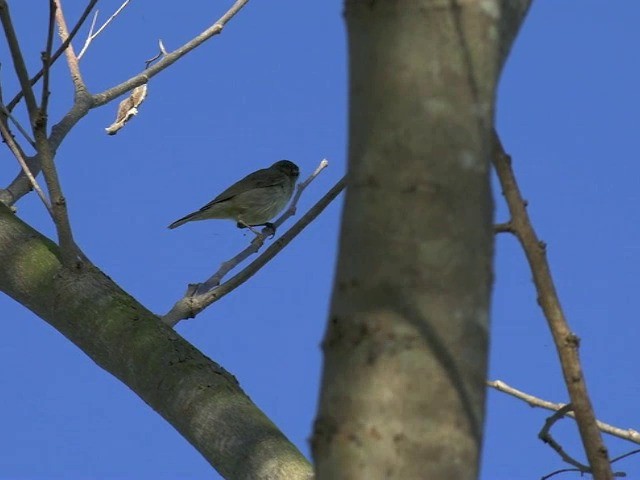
x=84, y=103
x=533, y=401
x=566, y=342
x=161, y=53
x=5, y=111
x=17, y=152
x=11, y=105
x=545, y=436
x=72, y=59
x=91, y=36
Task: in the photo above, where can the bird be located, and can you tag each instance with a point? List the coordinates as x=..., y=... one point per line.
x=253, y=200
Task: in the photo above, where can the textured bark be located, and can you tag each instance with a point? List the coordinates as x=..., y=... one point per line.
x=407, y=340
x=197, y=396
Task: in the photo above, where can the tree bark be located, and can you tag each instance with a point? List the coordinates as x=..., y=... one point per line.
x=194, y=394
x=407, y=339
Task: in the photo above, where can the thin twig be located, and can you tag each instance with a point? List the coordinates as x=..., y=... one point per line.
x=545, y=436
x=557, y=472
x=171, y=57
x=5, y=111
x=625, y=434
x=628, y=454
x=161, y=53
x=72, y=60
x=6, y=114
x=190, y=305
x=19, y=154
x=505, y=227
x=46, y=62
x=566, y=342
x=18, y=61
x=567, y=470
x=20, y=185
x=12, y=104
x=92, y=35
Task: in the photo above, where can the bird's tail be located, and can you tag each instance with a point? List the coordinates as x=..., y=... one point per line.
x=183, y=220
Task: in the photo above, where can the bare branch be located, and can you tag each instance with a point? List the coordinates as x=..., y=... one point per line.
x=505, y=227
x=18, y=61
x=72, y=59
x=19, y=154
x=46, y=63
x=20, y=185
x=566, y=342
x=69, y=250
x=161, y=53
x=5, y=111
x=194, y=303
x=628, y=454
x=92, y=35
x=545, y=436
x=11, y=105
x=215, y=29
x=557, y=472
x=625, y=434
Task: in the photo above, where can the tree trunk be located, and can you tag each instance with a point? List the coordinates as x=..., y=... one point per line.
x=194, y=394
x=407, y=339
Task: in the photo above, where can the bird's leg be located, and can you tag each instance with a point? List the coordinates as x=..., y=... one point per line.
x=242, y=224
x=268, y=226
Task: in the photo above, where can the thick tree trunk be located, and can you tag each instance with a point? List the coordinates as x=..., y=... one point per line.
x=197, y=396
x=407, y=340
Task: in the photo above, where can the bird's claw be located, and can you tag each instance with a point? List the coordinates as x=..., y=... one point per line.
x=269, y=229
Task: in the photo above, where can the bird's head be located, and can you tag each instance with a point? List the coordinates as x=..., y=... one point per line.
x=287, y=167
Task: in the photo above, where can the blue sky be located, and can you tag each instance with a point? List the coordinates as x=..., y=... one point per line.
x=273, y=86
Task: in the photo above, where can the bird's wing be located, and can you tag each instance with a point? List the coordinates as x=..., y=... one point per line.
x=259, y=179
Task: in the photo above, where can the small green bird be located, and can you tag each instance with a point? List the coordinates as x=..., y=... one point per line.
x=252, y=201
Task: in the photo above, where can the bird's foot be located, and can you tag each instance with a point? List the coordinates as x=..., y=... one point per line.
x=245, y=225
x=269, y=229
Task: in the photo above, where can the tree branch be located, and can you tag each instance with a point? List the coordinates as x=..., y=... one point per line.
x=5, y=111
x=625, y=434
x=215, y=29
x=46, y=62
x=194, y=394
x=72, y=60
x=566, y=342
x=192, y=303
x=19, y=154
x=545, y=436
x=91, y=36
x=11, y=105
x=20, y=185
x=18, y=61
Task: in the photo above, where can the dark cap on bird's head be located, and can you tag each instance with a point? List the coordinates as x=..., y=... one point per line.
x=287, y=167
